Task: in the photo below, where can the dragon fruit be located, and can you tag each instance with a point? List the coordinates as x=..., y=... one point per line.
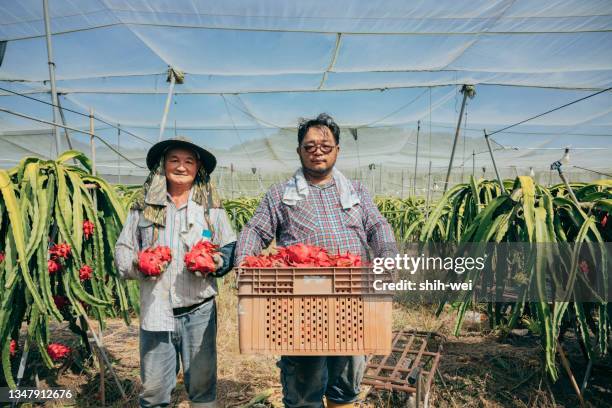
x=85, y=272
x=164, y=253
x=57, y=351
x=60, y=251
x=348, y=260
x=13, y=348
x=53, y=266
x=584, y=267
x=299, y=253
x=60, y=301
x=153, y=261
x=2, y=257
x=88, y=228
x=200, y=259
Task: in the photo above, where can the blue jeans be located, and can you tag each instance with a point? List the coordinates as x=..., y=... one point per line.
x=194, y=341
x=306, y=379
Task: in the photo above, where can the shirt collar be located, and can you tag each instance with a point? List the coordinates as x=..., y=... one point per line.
x=327, y=185
x=169, y=198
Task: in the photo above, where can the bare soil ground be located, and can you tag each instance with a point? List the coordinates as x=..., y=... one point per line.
x=478, y=369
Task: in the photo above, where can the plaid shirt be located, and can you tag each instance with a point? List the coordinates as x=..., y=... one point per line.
x=176, y=287
x=318, y=220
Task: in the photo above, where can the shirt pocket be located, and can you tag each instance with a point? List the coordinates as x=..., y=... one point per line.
x=302, y=221
x=353, y=217
x=145, y=232
x=194, y=233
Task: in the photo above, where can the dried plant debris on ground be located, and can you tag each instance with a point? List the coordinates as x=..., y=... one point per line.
x=478, y=368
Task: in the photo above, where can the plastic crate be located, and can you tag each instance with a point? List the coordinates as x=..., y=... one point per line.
x=312, y=311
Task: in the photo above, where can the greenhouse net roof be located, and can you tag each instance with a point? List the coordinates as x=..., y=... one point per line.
x=253, y=69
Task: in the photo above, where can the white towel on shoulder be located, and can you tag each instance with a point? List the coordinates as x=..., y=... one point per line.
x=297, y=189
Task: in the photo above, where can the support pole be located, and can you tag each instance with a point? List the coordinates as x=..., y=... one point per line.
x=587, y=374
x=105, y=359
x=428, y=192
x=58, y=142
x=473, y=163
x=174, y=77
x=61, y=112
x=501, y=183
x=567, y=368
x=118, y=157
x=466, y=90
x=22, y=365
x=416, y=159
x=557, y=166
x=232, y=179
x=92, y=141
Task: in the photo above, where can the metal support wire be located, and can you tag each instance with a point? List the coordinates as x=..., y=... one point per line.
x=501, y=183
x=550, y=111
x=61, y=108
x=593, y=171
x=85, y=132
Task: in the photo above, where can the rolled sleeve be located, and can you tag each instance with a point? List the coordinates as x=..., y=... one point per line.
x=127, y=247
x=378, y=231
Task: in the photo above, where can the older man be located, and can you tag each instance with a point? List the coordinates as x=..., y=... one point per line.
x=178, y=315
x=319, y=206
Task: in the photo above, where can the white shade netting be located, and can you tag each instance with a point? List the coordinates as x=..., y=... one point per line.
x=253, y=69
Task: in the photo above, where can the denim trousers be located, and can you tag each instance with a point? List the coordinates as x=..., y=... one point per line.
x=194, y=342
x=306, y=380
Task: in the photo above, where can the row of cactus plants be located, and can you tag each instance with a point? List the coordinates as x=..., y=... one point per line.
x=58, y=226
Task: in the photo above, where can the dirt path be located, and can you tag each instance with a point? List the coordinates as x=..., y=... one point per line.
x=478, y=370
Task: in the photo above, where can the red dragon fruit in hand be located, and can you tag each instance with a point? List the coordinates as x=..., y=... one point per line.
x=57, y=351
x=200, y=259
x=152, y=262
x=88, y=228
x=164, y=253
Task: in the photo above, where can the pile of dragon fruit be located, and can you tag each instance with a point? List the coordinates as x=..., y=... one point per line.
x=301, y=256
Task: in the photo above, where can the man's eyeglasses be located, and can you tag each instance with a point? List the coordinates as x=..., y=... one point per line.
x=325, y=149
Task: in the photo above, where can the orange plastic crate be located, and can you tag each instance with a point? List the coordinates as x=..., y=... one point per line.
x=312, y=311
